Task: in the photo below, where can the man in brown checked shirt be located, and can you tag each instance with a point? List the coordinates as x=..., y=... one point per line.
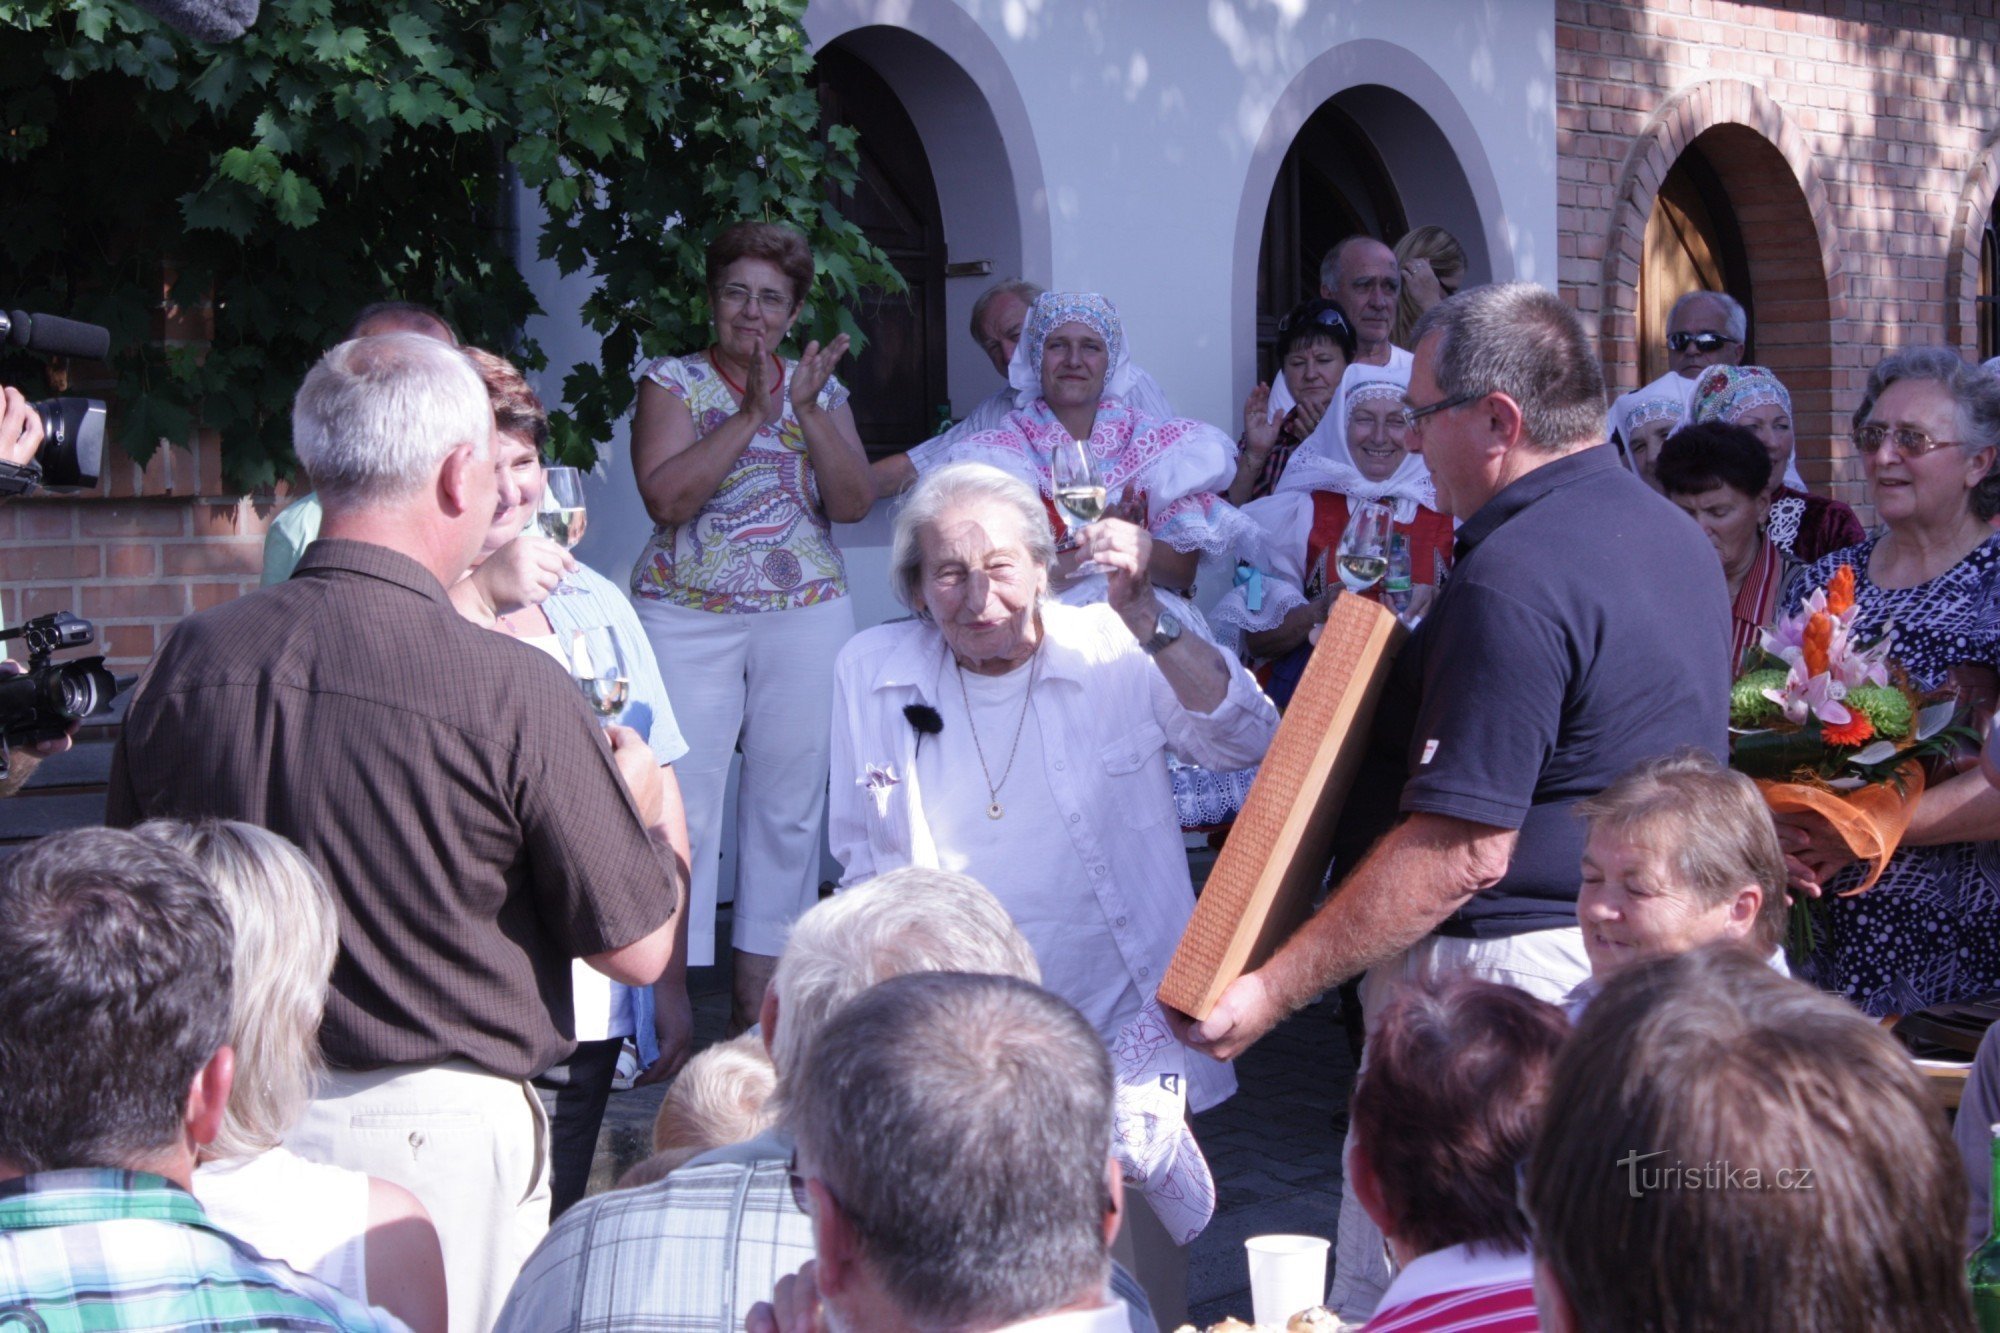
x=450, y=783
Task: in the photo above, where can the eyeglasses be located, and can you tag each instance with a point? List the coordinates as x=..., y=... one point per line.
x=1909, y=442
x=1701, y=342
x=802, y=1197
x=1410, y=416
x=736, y=296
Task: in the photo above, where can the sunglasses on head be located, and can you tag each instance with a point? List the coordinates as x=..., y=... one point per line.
x=1700, y=342
x=1325, y=319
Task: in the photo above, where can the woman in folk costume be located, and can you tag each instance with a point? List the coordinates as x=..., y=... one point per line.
x=1803, y=526
x=1642, y=420
x=1358, y=454
x=1070, y=374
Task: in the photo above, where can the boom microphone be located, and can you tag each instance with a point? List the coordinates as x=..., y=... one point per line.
x=205, y=20
x=57, y=337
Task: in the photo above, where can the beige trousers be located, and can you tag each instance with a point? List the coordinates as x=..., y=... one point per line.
x=473, y=1146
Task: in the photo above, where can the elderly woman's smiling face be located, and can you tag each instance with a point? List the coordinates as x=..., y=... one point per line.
x=980, y=584
x=1074, y=362
x=1632, y=906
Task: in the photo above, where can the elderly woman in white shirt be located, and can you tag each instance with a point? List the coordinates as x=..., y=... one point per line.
x=1024, y=742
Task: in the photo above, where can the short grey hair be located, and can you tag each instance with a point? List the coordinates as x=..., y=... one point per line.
x=1020, y=287
x=959, y=484
x=376, y=417
x=1975, y=394
x=1708, y=824
x=963, y=1126
x=287, y=933
x=910, y=920
x=1735, y=321
x=1329, y=263
x=1522, y=340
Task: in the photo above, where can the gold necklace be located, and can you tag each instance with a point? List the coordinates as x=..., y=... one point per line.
x=993, y=807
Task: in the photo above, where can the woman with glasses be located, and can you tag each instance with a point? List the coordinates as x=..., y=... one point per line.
x=1803, y=526
x=1928, y=432
x=745, y=459
x=1315, y=346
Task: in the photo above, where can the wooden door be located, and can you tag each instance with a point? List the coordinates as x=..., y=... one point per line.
x=898, y=382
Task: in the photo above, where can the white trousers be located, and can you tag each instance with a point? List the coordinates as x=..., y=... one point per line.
x=1547, y=964
x=763, y=681
x=472, y=1146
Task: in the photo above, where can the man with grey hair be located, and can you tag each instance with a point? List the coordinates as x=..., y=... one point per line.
x=699, y=1248
x=1705, y=329
x=449, y=782
x=1362, y=274
x=997, y=317
x=988, y=1083
x=1581, y=631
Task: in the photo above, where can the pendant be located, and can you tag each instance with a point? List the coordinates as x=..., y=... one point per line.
x=994, y=811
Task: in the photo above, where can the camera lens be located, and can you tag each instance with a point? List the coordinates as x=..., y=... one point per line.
x=76, y=694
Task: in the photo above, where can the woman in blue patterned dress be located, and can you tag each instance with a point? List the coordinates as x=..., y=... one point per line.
x=1928, y=432
x=745, y=460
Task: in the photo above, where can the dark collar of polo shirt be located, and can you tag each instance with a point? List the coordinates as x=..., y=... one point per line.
x=1566, y=470
x=371, y=561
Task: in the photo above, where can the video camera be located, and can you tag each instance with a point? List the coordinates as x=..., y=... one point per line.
x=51, y=697
x=72, y=452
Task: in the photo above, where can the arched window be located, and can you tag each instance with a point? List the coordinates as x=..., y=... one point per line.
x=1332, y=185
x=1693, y=243
x=899, y=386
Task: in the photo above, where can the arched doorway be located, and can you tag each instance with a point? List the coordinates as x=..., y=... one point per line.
x=1332, y=184
x=1693, y=243
x=1732, y=194
x=900, y=384
x=1408, y=155
x=1987, y=316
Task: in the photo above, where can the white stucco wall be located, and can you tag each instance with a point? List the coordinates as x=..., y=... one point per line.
x=1129, y=147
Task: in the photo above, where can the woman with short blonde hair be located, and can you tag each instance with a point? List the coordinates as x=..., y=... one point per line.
x=365, y=1236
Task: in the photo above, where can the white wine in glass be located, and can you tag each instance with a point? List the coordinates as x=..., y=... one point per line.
x=600, y=669
x=562, y=516
x=1079, y=490
x=1363, y=557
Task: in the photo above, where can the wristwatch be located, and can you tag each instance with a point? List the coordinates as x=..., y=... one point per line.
x=1165, y=630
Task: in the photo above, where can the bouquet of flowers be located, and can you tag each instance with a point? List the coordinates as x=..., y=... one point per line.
x=1830, y=725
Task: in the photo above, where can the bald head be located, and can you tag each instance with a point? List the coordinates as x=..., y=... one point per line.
x=1361, y=273
x=400, y=317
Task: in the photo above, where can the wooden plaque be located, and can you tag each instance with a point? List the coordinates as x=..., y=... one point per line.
x=1271, y=868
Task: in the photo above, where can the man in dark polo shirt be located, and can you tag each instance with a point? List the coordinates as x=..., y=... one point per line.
x=1583, y=628
x=450, y=783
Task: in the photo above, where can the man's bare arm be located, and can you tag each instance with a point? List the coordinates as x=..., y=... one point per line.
x=1420, y=873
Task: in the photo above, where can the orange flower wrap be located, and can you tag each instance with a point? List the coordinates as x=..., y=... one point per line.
x=1870, y=821
x=1840, y=591
x=1817, y=644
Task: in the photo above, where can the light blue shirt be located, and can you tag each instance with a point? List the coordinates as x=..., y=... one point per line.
x=588, y=600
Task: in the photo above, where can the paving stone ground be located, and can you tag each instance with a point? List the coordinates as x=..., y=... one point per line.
x=1271, y=1146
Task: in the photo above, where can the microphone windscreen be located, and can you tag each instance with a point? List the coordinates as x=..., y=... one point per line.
x=59, y=337
x=205, y=20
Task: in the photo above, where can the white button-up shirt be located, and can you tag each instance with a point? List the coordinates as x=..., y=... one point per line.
x=1106, y=720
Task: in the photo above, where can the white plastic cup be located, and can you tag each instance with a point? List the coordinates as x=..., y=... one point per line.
x=1287, y=1275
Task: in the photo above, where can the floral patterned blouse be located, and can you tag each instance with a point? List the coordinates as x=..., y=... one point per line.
x=762, y=542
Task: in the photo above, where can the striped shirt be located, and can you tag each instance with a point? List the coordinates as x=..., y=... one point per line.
x=1460, y=1289
x=105, y=1249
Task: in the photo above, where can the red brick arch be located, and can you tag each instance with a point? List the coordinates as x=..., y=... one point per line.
x=1961, y=269
x=1797, y=278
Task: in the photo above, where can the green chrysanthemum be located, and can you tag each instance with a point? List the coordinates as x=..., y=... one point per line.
x=1887, y=709
x=1747, y=705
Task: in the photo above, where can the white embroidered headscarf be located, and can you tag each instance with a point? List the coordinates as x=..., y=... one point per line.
x=1050, y=312
x=1323, y=461
x=1725, y=393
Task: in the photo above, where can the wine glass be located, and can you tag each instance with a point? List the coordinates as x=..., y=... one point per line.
x=1079, y=490
x=1363, y=557
x=599, y=665
x=561, y=517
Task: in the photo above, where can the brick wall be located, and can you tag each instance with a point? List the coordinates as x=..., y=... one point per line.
x=148, y=547
x=1856, y=143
